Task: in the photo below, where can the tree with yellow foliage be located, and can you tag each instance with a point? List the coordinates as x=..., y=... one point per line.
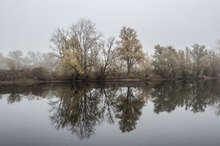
x=71, y=63
x=130, y=48
x=77, y=48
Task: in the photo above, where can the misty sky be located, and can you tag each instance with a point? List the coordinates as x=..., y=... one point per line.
x=27, y=25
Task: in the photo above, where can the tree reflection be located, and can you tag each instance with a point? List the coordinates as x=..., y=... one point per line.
x=194, y=96
x=80, y=108
x=77, y=109
x=129, y=105
x=14, y=98
x=109, y=101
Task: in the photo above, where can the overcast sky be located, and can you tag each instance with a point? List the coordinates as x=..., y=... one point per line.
x=27, y=24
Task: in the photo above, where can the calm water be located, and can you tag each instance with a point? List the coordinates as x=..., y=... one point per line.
x=128, y=114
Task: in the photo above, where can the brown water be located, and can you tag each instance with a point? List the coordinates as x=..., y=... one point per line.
x=128, y=114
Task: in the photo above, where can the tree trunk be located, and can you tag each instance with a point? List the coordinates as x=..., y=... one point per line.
x=128, y=68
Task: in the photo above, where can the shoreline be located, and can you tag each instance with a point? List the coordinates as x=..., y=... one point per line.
x=124, y=80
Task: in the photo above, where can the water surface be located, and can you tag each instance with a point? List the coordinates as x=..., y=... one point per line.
x=125, y=114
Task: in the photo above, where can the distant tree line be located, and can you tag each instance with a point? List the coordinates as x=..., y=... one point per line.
x=32, y=65
x=192, y=63
x=82, y=53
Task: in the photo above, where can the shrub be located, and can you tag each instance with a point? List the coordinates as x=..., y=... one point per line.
x=40, y=73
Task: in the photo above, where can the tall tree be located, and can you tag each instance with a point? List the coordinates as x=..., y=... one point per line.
x=109, y=54
x=199, y=57
x=59, y=41
x=165, y=61
x=129, y=48
x=77, y=47
x=16, y=55
x=213, y=66
x=86, y=40
x=185, y=63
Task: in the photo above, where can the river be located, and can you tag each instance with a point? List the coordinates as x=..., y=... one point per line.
x=107, y=114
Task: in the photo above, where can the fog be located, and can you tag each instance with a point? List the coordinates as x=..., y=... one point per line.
x=27, y=24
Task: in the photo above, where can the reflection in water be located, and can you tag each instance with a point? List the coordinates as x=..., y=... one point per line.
x=80, y=108
x=193, y=96
x=129, y=105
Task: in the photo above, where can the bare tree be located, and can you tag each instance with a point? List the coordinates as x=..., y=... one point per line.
x=86, y=36
x=217, y=47
x=212, y=67
x=78, y=47
x=185, y=63
x=16, y=55
x=145, y=66
x=1, y=55
x=59, y=43
x=1, y=60
x=11, y=63
x=199, y=57
x=109, y=54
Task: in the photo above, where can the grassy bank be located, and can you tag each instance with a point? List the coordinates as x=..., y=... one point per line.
x=30, y=77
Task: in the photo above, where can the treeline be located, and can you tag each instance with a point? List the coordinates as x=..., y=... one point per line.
x=195, y=62
x=82, y=53
x=32, y=65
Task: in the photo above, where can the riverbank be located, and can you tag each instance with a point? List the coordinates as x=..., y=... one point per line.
x=121, y=80
x=30, y=77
